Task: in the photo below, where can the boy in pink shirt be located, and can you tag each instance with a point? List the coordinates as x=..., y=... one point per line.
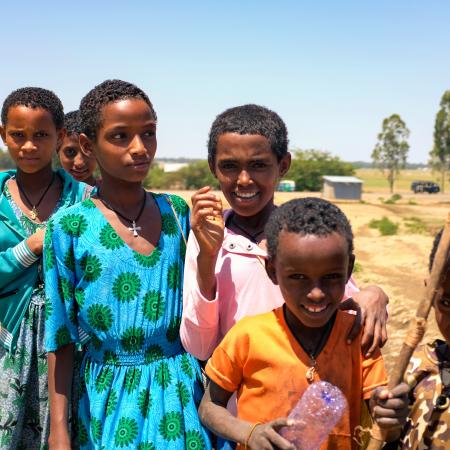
x=225, y=278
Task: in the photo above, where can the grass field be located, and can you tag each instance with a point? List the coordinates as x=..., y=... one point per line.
x=374, y=180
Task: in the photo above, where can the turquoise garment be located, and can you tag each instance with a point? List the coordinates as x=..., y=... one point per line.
x=17, y=277
x=141, y=389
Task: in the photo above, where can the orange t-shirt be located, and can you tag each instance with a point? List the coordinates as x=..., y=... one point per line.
x=261, y=360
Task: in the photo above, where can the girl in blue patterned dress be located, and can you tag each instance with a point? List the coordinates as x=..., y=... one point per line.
x=114, y=266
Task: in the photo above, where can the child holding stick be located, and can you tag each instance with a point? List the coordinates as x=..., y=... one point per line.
x=270, y=359
x=428, y=374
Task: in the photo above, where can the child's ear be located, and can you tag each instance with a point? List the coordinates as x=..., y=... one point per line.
x=351, y=265
x=61, y=134
x=284, y=165
x=3, y=133
x=270, y=269
x=212, y=167
x=85, y=145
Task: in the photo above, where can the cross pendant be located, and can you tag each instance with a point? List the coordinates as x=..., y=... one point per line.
x=134, y=229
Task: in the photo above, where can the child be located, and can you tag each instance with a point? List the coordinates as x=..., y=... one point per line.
x=32, y=129
x=72, y=159
x=225, y=278
x=270, y=359
x=428, y=374
x=114, y=272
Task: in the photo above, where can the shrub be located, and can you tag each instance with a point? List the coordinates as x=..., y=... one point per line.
x=386, y=226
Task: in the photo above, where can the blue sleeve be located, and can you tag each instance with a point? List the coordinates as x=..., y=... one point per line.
x=61, y=308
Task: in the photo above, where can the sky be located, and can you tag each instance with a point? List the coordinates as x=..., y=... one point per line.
x=333, y=70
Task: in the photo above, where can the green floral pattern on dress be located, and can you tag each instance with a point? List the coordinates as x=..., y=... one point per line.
x=112, y=403
x=109, y=238
x=49, y=259
x=173, y=330
x=132, y=339
x=91, y=267
x=96, y=428
x=171, y=426
x=174, y=276
x=62, y=336
x=194, y=440
x=104, y=379
x=153, y=353
x=100, y=317
x=146, y=446
x=132, y=379
x=150, y=260
x=79, y=296
x=154, y=306
x=126, y=432
x=169, y=224
x=179, y=205
x=126, y=286
x=183, y=394
x=163, y=376
x=73, y=224
x=65, y=289
x=144, y=402
x=69, y=259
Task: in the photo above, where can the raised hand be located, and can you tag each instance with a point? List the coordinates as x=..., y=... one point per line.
x=207, y=221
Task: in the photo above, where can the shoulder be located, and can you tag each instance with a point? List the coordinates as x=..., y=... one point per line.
x=255, y=326
x=176, y=202
x=74, y=219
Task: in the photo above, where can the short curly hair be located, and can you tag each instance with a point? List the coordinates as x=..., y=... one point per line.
x=310, y=215
x=35, y=97
x=250, y=119
x=90, y=112
x=72, y=123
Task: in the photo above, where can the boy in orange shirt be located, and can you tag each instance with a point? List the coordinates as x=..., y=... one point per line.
x=271, y=359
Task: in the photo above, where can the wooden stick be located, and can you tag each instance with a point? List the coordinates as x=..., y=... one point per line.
x=418, y=324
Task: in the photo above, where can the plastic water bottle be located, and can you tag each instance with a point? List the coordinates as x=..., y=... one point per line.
x=317, y=412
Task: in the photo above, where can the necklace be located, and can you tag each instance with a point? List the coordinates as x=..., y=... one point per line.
x=251, y=236
x=134, y=229
x=314, y=352
x=34, y=214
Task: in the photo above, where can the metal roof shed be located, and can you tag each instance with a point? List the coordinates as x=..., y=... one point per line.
x=347, y=188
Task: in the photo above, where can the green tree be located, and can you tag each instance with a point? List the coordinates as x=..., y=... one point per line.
x=440, y=154
x=157, y=178
x=392, y=148
x=6, y=161
x=196, y=175
x=309, y=166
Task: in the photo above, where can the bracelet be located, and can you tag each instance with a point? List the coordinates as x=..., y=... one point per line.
x=252, y=429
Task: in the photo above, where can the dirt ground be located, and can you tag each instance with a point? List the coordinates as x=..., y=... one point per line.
x=399, y=263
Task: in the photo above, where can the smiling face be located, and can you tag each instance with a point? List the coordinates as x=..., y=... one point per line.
x=248, y=171
x=442, y=307
x=126, y=140
x=74, y=161
x=31, y=137
x=312, y=272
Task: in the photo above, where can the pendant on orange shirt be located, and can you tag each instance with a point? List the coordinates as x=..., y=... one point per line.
x=311, y=371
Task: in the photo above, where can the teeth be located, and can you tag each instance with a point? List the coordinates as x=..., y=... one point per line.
x=315, y=309
x=245, y=195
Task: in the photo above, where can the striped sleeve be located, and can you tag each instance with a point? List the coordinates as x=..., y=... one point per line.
x=24, y=255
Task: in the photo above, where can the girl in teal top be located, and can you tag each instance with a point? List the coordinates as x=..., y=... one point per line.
x=32, y=128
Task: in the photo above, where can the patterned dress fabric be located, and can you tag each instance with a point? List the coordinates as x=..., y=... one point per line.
x=427, y=427
x=140, y=389
x=24, y=417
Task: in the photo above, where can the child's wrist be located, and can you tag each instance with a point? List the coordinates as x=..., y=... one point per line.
x=249, y=434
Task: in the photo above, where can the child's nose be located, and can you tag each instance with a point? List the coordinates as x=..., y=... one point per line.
x=316, y=294
x=137, y=146
x=244, y=177
x=28, y=146
x=78, y=160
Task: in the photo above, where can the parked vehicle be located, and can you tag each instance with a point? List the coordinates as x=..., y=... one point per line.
x=425, y=186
